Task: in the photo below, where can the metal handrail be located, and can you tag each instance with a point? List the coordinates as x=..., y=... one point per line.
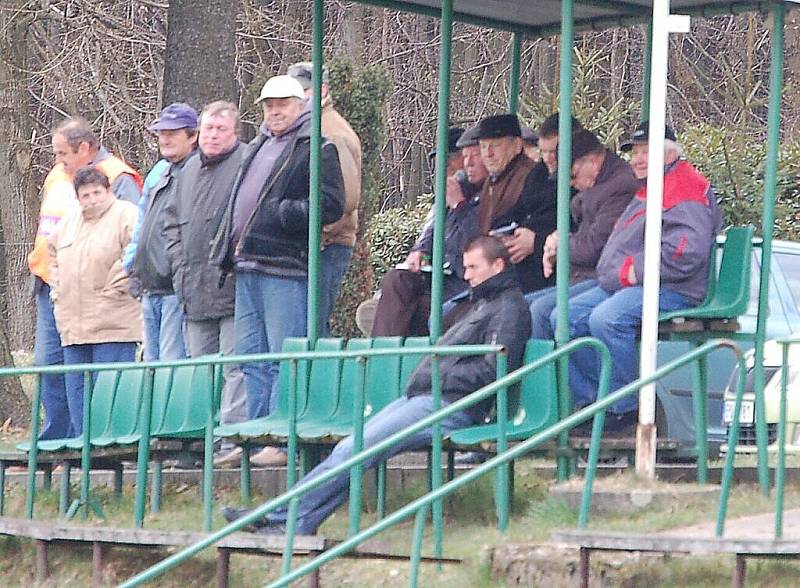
x=145, y=415
x=421, y=504
x=292, y=496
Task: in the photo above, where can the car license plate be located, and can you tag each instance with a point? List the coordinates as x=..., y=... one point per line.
x=746, y=413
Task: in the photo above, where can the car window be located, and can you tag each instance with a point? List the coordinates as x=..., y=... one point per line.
x=755, y=279
x=790, y=264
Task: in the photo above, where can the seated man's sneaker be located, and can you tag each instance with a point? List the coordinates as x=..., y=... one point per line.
x=231, y=513
x=471, y=458
x=621, y=425
x=269, y=457
x=228, y=457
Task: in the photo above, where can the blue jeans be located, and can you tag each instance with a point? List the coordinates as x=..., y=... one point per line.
x=163, y=327
x=268, y=309
x=543, y=308
x=333, y=264
x=47, y=351
x=318, y=504
x=90, y=353
x=614, y=318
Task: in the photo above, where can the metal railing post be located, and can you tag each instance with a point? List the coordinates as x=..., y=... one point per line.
x=86, y=456
x=357, y=472
x=780, y=472
x=33, y=454
x=502, y=487
x=143, y=453
x=208, y=456
x=562, y=225
x=291, y=443
x=513, y=81
x=767, y=227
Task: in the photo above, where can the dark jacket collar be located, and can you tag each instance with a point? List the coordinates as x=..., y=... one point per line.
x=206, y=161
x=495, y=285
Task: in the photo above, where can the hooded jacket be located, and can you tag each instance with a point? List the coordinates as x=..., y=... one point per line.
x=691, y=220
x=89, y=287
x=499, y=315
x=274, y=239
x=192, y=218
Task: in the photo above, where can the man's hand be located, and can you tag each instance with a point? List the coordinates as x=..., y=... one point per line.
x=549, y=254
x=631, y=275
x=414, y=261
x=454, y=195
x=520, y=245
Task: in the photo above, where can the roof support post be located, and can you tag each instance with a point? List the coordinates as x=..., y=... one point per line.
x=767, y=223
x=562, y=224
x=648, y=60
x=513, y=82
x=663, y=24
x=314, y=227
x=437, y=278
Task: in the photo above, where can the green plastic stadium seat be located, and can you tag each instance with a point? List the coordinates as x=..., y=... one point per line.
x=730, y=293
x=125, y=412
x=538, y=406
x=341, y=418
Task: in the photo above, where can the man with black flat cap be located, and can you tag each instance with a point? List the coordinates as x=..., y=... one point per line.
x=404, y=304
x=518, y=201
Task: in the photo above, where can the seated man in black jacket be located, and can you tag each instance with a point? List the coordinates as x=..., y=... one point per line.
x=500, y=316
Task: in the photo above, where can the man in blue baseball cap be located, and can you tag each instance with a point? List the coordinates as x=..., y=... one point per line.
x=146, y=256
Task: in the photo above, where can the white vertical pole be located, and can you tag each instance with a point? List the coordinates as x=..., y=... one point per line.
x=663, y=24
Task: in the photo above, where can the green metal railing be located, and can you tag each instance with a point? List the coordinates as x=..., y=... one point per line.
x=292, y=497
x=420, y=506
x=143, y=451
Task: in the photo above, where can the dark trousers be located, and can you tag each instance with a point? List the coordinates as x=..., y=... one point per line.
x=404, y=305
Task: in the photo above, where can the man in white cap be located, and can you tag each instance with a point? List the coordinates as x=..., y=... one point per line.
x=264, y=237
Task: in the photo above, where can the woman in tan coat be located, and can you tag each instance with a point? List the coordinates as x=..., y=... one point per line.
x=97, y=318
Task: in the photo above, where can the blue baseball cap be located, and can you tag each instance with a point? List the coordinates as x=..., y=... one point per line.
x=175, y=116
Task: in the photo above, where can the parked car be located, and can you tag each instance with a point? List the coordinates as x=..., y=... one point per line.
x=674, y=415
x=772, y=390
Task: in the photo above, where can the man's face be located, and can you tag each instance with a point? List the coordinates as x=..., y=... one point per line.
x=93, y=196
x=585, y=170
x=532, y=152
x=473, y=164
x=498, y=153
x=175, y=145
x=73, y=159
x=310, y=91
x=217, y=134
x=548, y=150
x=639, y=160
x=280, y=113
x=477, y=269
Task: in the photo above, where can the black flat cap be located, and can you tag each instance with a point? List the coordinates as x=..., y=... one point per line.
x=453, y=135
x=499, y=125
x=583, y=143
x=469, y=138
x=642, y=134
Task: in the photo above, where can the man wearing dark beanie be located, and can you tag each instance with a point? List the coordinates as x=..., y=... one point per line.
x=605, y=185
x=518, y=201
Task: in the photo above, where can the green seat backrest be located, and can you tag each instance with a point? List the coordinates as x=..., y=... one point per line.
x=103, y=391
x=323, y=384
x=127, y=403
x=162, y=388
x=292, y=344
x=731, y=291
x=348, y=386
x=410, y=362
x=186, y=409
x=383, y=376
x=538, y=400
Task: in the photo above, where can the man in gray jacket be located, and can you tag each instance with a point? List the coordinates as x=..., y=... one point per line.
x=612, y=310
x=192, y=220
x=605, y=184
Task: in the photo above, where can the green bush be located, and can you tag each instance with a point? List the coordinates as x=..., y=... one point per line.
x=733, y=160
x=392, y=233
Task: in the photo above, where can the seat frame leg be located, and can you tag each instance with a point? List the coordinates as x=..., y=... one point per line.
x=42, y=569
x=583, y=567
x=739, y=571
x=223, y=567
x=97, y=564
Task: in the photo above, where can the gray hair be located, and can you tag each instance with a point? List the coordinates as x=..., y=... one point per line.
x=670, y=145
x=76, y=130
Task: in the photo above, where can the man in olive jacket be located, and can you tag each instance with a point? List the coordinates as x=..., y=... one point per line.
x=192, y=218
x=499, y=315
x=264, y=236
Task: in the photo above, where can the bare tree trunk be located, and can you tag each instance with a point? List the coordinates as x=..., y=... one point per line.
x=199, y=66
x=18, y=211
